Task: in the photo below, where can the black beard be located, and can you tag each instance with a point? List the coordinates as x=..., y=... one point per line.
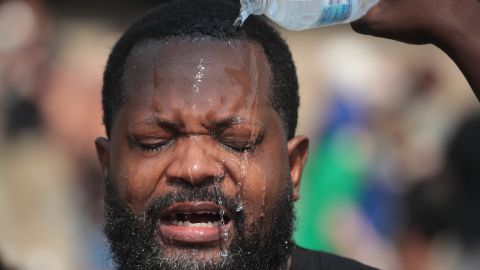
x=134, y=245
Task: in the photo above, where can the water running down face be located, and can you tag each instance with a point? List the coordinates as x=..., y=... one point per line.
x=196, y=140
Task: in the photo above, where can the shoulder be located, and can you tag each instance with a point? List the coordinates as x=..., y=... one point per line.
x=304, y=259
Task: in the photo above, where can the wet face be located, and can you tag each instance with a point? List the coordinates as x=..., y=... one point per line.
x=198, y=165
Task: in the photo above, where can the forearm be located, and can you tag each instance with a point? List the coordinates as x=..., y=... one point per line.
x=464, y=50
x=451, y=25
x=457, y=32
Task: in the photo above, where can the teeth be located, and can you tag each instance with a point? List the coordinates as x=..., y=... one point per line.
x=208, y=212
x=200, y=224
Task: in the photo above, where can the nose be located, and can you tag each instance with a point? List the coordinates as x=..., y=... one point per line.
x=194, y=162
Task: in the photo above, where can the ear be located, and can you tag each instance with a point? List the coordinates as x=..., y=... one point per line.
x=103, y=153
x=297, y=155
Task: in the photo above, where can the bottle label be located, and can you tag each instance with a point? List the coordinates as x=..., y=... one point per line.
x=336, y=11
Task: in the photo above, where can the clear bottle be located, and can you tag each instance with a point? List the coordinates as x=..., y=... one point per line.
x=305, y=14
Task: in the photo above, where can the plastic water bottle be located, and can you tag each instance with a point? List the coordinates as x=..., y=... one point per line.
x=305, y=14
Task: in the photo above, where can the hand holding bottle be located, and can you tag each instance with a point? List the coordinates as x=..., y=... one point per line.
x=305, y=14
x=451, y=25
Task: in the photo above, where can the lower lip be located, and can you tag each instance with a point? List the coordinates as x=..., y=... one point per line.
x=192, y=235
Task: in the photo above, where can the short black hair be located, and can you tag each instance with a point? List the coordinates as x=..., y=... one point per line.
x=214, y=19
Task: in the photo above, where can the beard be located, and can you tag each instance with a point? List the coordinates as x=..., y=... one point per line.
x=134, y=240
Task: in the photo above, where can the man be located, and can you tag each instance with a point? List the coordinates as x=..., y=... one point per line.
x=201, y=162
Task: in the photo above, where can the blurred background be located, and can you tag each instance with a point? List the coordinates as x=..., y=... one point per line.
x=392, y=175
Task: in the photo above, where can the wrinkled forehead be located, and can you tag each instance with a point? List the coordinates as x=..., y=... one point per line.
x=197, y=70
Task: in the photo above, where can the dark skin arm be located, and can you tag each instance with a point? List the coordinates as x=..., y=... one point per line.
x=451, y=25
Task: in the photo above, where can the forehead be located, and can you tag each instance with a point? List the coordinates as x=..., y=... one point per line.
x=197, y=74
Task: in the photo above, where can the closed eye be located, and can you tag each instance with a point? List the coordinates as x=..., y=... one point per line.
x=152, y=147
x=241, y=145
x=152, y=144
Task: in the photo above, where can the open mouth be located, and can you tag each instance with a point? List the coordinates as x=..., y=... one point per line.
x=193, y=222
x=201, y=219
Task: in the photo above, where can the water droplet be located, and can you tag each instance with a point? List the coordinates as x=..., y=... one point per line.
x=224, y=234
x=244, y=13
x=238, y=22
x=217, y=191
x=239, y=207
x=221, y=226
x=222, y=229
x=199, y=77
x=224, y=253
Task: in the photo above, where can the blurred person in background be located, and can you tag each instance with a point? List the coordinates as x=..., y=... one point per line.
x=341, y=161
x=441, y=224
x=36, y=183
x=42, y=218
x=453, y=27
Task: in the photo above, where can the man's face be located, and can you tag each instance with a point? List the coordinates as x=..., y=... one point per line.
x=198, y=165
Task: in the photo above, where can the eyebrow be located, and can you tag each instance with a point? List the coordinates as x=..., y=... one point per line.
x=227, y=122
x=224, y=124
x=215, y=126
x=161, y=122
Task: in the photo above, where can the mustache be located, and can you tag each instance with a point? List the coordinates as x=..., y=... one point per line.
x=190, y=194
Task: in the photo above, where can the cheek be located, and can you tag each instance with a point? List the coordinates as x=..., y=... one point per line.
x=137, y=178
x=264, y=183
